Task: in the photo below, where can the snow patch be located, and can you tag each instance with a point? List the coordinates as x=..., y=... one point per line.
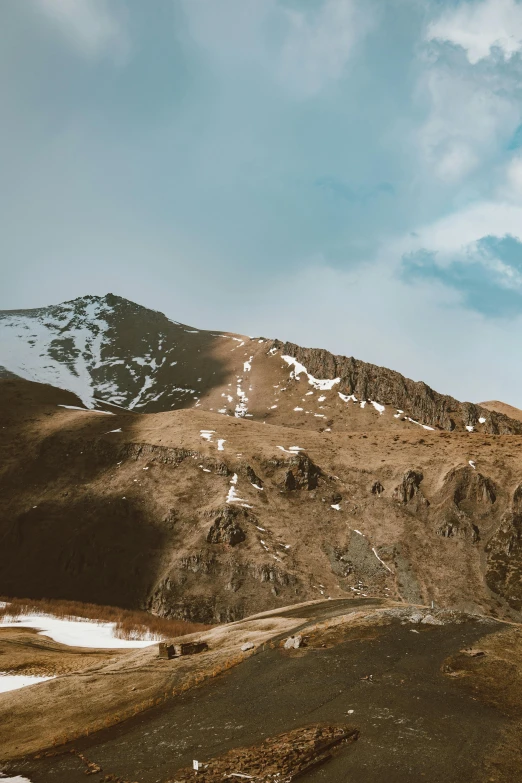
x=11, y=682
x=322, y=385
x=291, y=450
x=232, y=496
x=75, y=633
x=424, y=426
x=381, y=561
x=88, y=410
x=345, y=397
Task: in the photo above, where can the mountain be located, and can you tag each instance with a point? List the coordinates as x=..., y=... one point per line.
x=206, y=476
x=113, y=353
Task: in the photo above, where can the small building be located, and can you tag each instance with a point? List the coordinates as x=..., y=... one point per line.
x=168, y=651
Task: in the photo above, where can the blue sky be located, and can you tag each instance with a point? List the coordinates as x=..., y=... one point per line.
x=341, y=173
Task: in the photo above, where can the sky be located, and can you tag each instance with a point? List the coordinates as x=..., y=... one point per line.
x=344, y=174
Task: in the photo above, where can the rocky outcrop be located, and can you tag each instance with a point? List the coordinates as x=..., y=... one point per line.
x=471, y=488
x=466, y=494
x=504, y=555
x=371, y=382
x=296, y=472
x=409, y=488
x=356, y=563
x=248, y=472
x=377, y=488
x=303, y=474
x=226, y=528
x=457, y=528
x=219, y=587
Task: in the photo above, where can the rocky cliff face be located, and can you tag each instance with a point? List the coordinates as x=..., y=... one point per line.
x=370, y=382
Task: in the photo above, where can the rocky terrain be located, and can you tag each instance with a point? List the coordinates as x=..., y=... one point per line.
x=289, y=474
x=373, y=524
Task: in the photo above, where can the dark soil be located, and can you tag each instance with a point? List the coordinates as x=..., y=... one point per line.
x=415, y=723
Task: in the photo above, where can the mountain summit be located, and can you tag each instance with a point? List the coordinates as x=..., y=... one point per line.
x=114, y=353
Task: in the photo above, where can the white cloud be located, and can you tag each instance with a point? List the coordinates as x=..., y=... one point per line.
x=94, y=28
x=461, y=229
x=466, y=120
x=511, y=187
x=478, y=27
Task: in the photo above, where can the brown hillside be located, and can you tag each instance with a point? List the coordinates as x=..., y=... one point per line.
x=131, y=509
x=503, y=408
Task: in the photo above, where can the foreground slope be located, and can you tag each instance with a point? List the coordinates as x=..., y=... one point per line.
x=207, y=517
x=419, y=695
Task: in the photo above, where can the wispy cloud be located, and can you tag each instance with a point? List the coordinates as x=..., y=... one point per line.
x=304, y=47
x=318, y=46
x=94, y=28
x=486, y=273
x=467, y=117
x=480, y=27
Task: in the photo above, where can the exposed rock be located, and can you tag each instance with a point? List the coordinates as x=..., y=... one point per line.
x=226, y=529
x=504, y=556
x=247, y=646
x=377, y=488
x=370, y=382
x=355, y=560
x=283, y=758
x=454, y=528
x=197, y=563
x=249, y=472
x=471, y=487
x=340, y=561
x=408, y=581
x=409, y=488
x=473, y=652
x=301, y=474
x=429, y=619
x=293, y=642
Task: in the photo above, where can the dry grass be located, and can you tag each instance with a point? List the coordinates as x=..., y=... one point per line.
x=130, y=624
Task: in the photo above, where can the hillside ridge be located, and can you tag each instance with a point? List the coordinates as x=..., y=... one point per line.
x=111, y=351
